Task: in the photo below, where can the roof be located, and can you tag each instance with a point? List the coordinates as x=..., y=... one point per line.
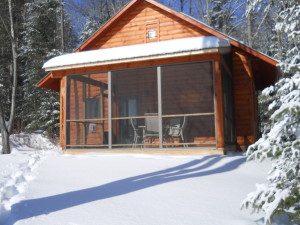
x=45, y=82
x=171, y=48
x=182, y=16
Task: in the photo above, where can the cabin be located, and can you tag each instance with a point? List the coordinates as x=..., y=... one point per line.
x=155, y=80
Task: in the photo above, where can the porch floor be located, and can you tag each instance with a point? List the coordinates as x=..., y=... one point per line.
x=173, y=151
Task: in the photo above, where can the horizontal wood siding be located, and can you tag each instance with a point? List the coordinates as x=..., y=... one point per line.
x=132, y=28
x=244, y=99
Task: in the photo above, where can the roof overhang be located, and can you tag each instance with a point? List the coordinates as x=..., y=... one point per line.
x=140, y=52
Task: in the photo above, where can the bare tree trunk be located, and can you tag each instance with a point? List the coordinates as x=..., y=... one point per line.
x=208, y=13
x=6, y=129
x=249, y=24
x=4, y=133
x=279, y=44
x=62, y=32
x=181, y=5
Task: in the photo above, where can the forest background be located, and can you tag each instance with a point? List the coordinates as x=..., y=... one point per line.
x=33, y=31
x=43, y=29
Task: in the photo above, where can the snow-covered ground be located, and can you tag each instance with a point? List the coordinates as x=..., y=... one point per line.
x=43, y=187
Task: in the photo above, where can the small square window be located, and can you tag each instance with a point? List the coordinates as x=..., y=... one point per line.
x=92, y=108
x=151, y=34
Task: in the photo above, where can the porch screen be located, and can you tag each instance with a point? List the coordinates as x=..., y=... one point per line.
x=170, y=106
x=87, y=111
x=135, y=108
x=188, y=105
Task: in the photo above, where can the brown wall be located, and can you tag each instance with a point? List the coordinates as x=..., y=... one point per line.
x=244, y=99
x=76, y=111
x=132, y=29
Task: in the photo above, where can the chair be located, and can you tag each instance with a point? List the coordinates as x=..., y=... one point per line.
x=176, y=128
x=136, y=135
x=150, y=130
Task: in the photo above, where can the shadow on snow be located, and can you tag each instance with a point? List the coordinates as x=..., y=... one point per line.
x=193, y=169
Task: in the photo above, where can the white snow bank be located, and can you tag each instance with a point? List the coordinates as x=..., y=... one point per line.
x=33, y=142
x=16, y=169
x=136, y=51
x=14, y=184
x=114, y=189
x=29, y=142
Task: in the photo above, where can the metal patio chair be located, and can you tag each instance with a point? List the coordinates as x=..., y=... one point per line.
x=136, y=133
x=176, y=128
x=151, y=129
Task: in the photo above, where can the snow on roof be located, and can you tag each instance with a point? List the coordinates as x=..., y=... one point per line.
x=94, y=57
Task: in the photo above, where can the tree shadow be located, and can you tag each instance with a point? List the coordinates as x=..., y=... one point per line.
x=195, y=168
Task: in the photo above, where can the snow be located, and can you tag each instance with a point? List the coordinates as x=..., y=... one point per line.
x=46, y=187
x=136, y=51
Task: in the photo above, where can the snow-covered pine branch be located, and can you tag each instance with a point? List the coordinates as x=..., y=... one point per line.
x=282, y=144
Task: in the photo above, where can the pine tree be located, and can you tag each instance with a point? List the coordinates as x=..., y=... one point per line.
x=281, y=142
x=40, y=108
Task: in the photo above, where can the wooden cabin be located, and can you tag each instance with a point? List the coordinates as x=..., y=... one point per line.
x=153, y=79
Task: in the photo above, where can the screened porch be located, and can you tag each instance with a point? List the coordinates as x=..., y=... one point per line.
x=159, y=107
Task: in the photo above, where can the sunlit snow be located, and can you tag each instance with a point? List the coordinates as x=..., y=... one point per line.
x=136, y=51
x=47, y=187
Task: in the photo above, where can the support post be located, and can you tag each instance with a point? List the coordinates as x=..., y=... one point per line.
x=219, y=105
x=109, y=112
x=159, y=107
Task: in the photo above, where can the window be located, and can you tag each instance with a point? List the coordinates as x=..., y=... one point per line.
x=92, y=108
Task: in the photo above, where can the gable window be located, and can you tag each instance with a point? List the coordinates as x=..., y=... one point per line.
x=152, y=31
x=151, y=34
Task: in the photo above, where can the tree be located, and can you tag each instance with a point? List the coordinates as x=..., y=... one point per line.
x=220, y=14
x=7, y=126
x=281, y=142
x=93, y=14
x=42, y=39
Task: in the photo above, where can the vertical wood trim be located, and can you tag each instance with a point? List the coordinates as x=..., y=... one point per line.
x=160, y=129
x=109, y=111
x=63, y=113
x=219, y=104
x=84, y=113
x=101, y=115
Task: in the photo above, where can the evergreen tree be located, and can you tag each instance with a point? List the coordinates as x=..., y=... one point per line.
x=92, y=14
x=281, y=142
x=40, y=108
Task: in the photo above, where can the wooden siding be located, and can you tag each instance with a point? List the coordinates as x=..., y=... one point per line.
x=244, y=99
x=62, y=112
x=132, y=29
x=93, y=131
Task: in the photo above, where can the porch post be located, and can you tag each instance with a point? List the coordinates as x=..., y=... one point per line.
x=219, y=105
x=159, y=107
x=109, y=112
x=63, y=113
